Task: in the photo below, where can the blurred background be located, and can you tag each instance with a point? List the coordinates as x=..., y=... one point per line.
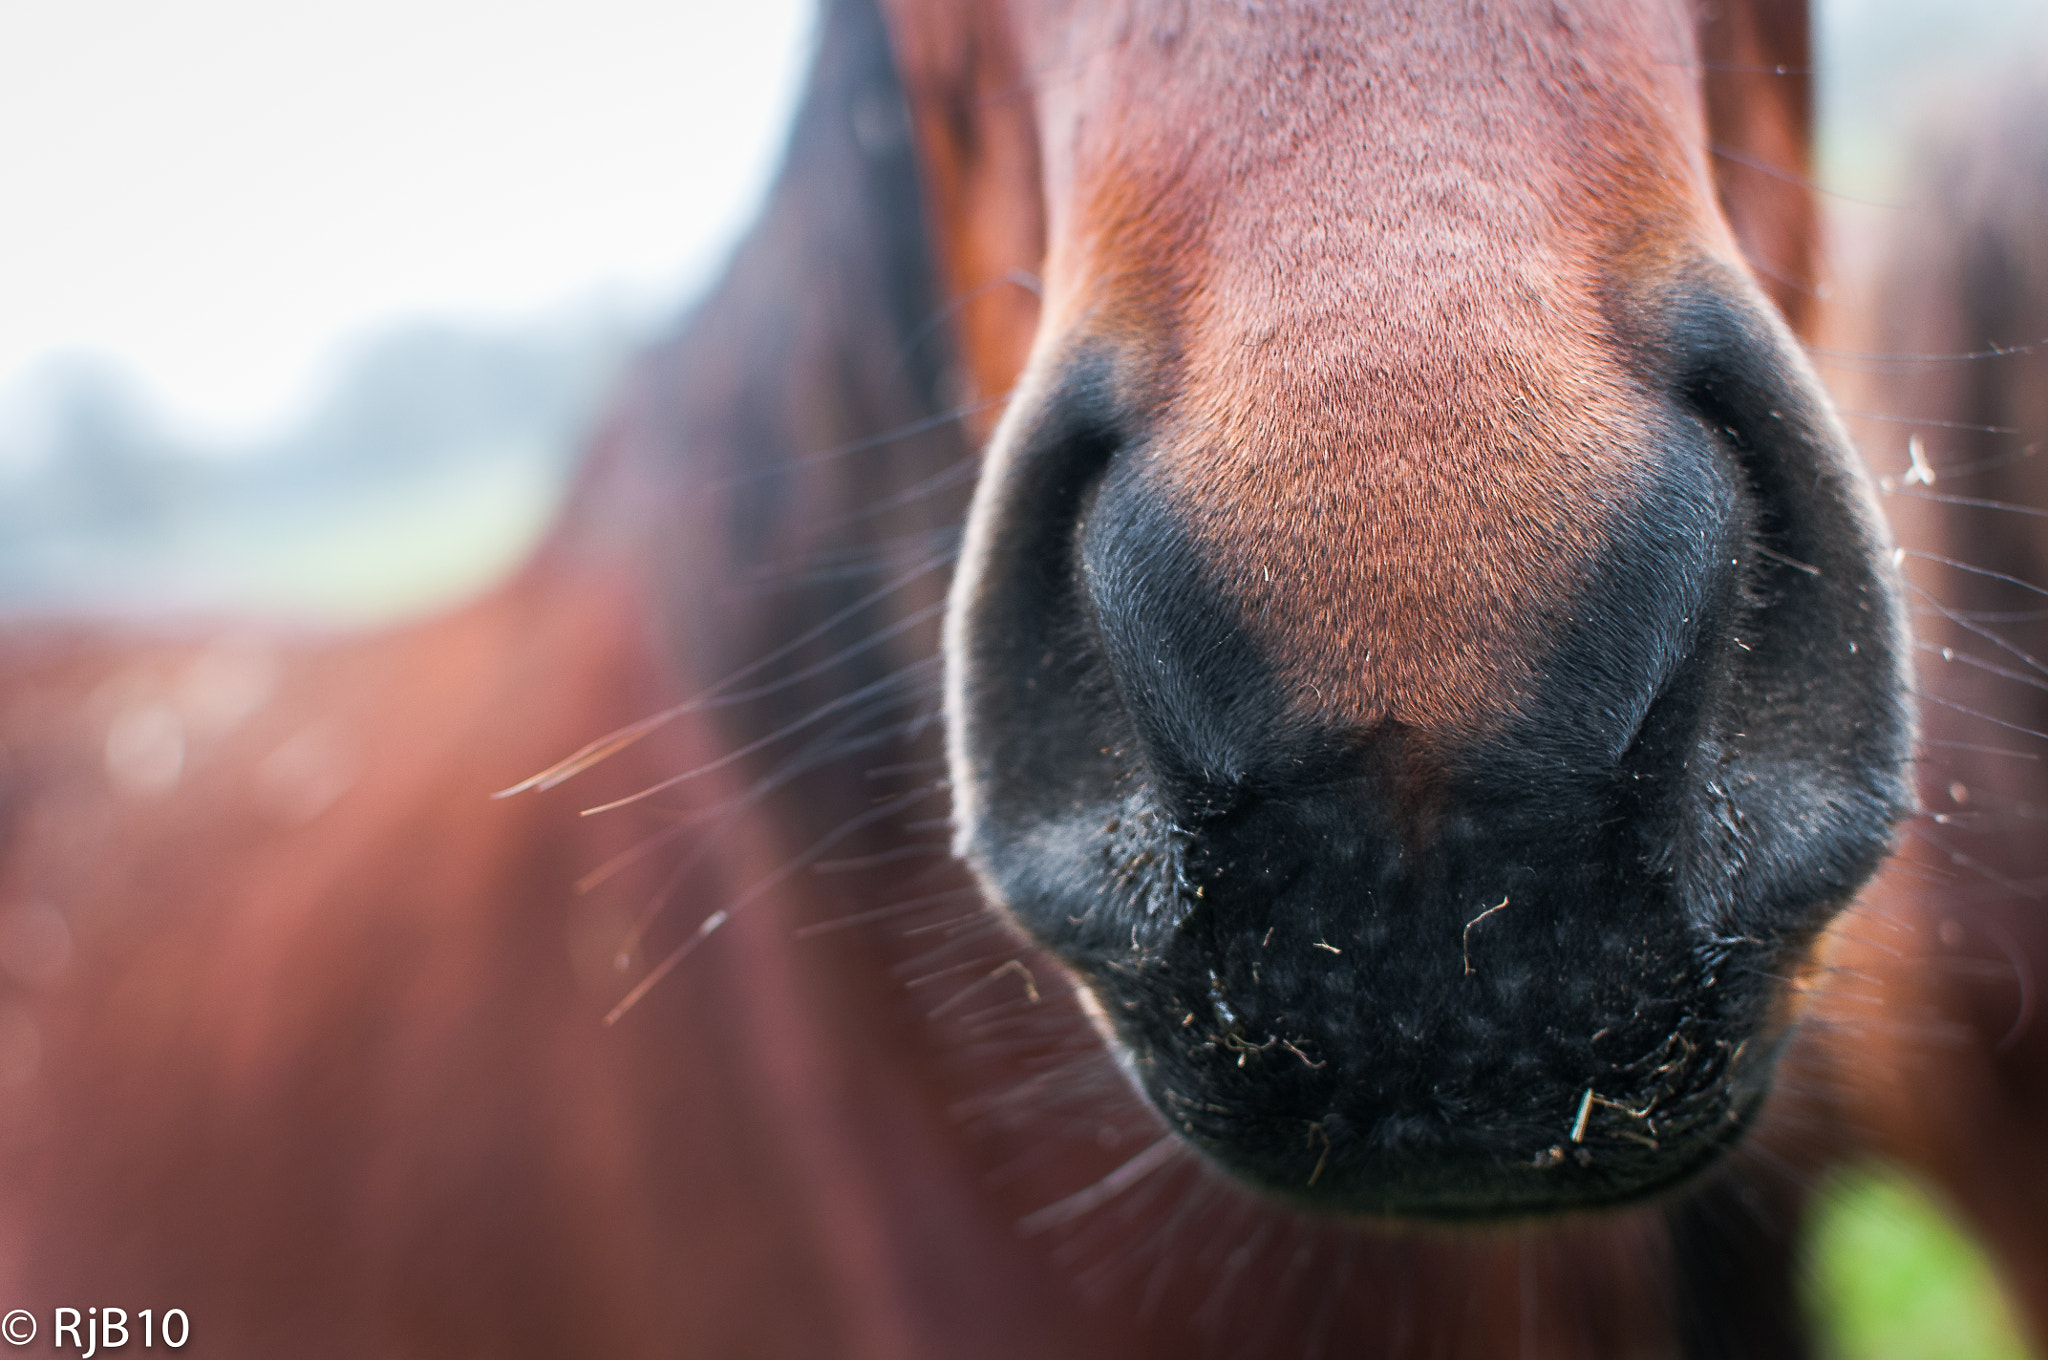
x=306, y=310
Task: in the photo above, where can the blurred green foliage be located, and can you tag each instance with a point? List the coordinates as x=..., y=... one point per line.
x=1891, y=1276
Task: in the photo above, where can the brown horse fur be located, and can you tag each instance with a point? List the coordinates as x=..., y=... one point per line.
x=303, y=1031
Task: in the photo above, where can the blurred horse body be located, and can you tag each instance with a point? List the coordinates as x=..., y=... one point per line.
x=303, y=1034
x=1948, y=355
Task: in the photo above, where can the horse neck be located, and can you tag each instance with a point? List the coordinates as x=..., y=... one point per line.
x=752, y=474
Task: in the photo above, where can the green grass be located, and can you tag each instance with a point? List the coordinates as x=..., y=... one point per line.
x=1891, y=1276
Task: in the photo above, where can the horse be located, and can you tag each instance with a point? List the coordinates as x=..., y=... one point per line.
x=1316, y=839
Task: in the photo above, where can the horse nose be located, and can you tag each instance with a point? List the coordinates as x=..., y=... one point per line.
x=1407, y=790
x=1707, y=633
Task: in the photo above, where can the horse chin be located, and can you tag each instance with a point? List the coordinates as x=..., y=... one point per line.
x=1335, y=1058
x=1452, y=1180
x=1393, y=1139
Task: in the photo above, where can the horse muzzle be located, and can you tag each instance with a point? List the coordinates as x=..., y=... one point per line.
x=1516, y=946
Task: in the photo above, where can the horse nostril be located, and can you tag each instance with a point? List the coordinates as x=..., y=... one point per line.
x=1812, y=724
x=1206, y=708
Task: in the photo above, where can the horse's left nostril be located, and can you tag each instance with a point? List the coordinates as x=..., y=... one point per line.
x=1812, y=724
x=1208, y=710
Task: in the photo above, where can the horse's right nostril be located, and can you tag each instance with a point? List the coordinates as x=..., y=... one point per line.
x=1035, y=722
x=1209, y=712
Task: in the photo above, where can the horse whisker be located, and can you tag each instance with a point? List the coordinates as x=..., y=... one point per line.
x=629, y=857
x=726, y=817
x=1976, y=713
x=717, y=919
x=1975, y=571
x=1930, y=424
x=1982, y=750
x=1757, y=163
x=1953, y=654
x=916, y=427
x=1976, y=631
x=1978, y=502
x=607, y=746
x=741, y=752
x=1159, y=1154
x=1993, y=352
x=861, y=918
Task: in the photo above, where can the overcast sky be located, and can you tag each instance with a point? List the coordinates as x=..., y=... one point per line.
x=218, y=192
